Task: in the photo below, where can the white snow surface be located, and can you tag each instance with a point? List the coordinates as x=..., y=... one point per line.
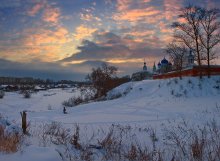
x=150, y=102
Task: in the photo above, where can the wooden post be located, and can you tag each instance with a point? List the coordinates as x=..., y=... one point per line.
x=24, y=121
x=64, y=110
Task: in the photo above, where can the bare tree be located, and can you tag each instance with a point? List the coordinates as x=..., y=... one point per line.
x=177, y=53
x=102, y=78
x=188, y=30
x=211, y=33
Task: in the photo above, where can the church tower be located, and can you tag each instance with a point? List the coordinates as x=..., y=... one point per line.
x=154, y=68
x=190, y=58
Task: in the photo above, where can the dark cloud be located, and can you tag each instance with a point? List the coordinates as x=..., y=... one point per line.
x=107, y=46
x=55, y=71
x=39, y=69
x=91, y=51
x=107, y=38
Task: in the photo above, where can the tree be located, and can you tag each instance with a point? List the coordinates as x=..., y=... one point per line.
x=199, y=30
x=188, y=31
x=177, y=53
x=102, y=79
x=211, y=33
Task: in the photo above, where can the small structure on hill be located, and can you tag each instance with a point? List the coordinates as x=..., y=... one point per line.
x=143, y=74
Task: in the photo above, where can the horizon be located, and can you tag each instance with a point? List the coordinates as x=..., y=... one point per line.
x=64, y=40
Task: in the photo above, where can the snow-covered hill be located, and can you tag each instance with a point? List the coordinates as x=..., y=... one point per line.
x=149, y=102
x=140, y=101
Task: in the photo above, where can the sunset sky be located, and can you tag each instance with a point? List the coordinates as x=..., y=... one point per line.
x=64, y=39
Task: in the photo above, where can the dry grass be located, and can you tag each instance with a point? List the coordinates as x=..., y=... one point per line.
x=75, y=138
x=179, y=142
x=9, y=143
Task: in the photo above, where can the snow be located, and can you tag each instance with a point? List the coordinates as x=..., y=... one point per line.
x=152, y=102
x=33, y=153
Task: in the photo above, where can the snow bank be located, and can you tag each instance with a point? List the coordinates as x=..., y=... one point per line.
x=10, y=128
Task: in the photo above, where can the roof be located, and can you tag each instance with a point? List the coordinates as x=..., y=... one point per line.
x=164, y=61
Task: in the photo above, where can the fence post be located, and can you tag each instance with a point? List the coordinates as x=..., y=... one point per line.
x=24, y=121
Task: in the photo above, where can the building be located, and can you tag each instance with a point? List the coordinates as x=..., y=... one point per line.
x=189, y=68
x=145, y=66
x=164, y=66
x=142, y=75
x=188, y=61
x=154, y=68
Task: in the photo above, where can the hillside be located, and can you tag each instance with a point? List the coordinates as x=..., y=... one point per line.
x=150, y=103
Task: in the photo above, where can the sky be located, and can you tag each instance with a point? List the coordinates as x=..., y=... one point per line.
x=65, y=39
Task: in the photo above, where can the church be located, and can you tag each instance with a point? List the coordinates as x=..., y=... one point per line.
x=143, y=74
x=165, y=69
x=165, y=66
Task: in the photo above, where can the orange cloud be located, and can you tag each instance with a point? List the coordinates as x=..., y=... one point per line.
x=142, y=33
x=51, y=15
x=49, y=42
x=165, y=28
x=43, y=37
x=41, y=44
x=119, y=61
x=83, y=32
x=172, y=8
x=123, y=5
x=136, y=14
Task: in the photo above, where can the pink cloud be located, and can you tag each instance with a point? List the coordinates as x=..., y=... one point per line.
x=135, y=15
x=36, y=8
x=123, y=5
x=51, y=14
x=171, y=8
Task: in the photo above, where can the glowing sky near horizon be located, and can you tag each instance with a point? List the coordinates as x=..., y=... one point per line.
x=64, y=39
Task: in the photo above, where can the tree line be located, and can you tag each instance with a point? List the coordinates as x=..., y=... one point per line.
x=198, y=30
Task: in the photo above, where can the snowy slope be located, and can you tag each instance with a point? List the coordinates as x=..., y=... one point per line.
x=152, y=102
x=149, y=100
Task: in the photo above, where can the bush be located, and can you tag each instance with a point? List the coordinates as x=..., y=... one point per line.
x=74, y=101
x=168, y=83
x=2, y=94
x=27, y=94
x=87, y=94
x=189, y=81
x=176, y=81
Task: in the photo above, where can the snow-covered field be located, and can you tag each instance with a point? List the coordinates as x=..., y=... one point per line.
x=149, y=103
